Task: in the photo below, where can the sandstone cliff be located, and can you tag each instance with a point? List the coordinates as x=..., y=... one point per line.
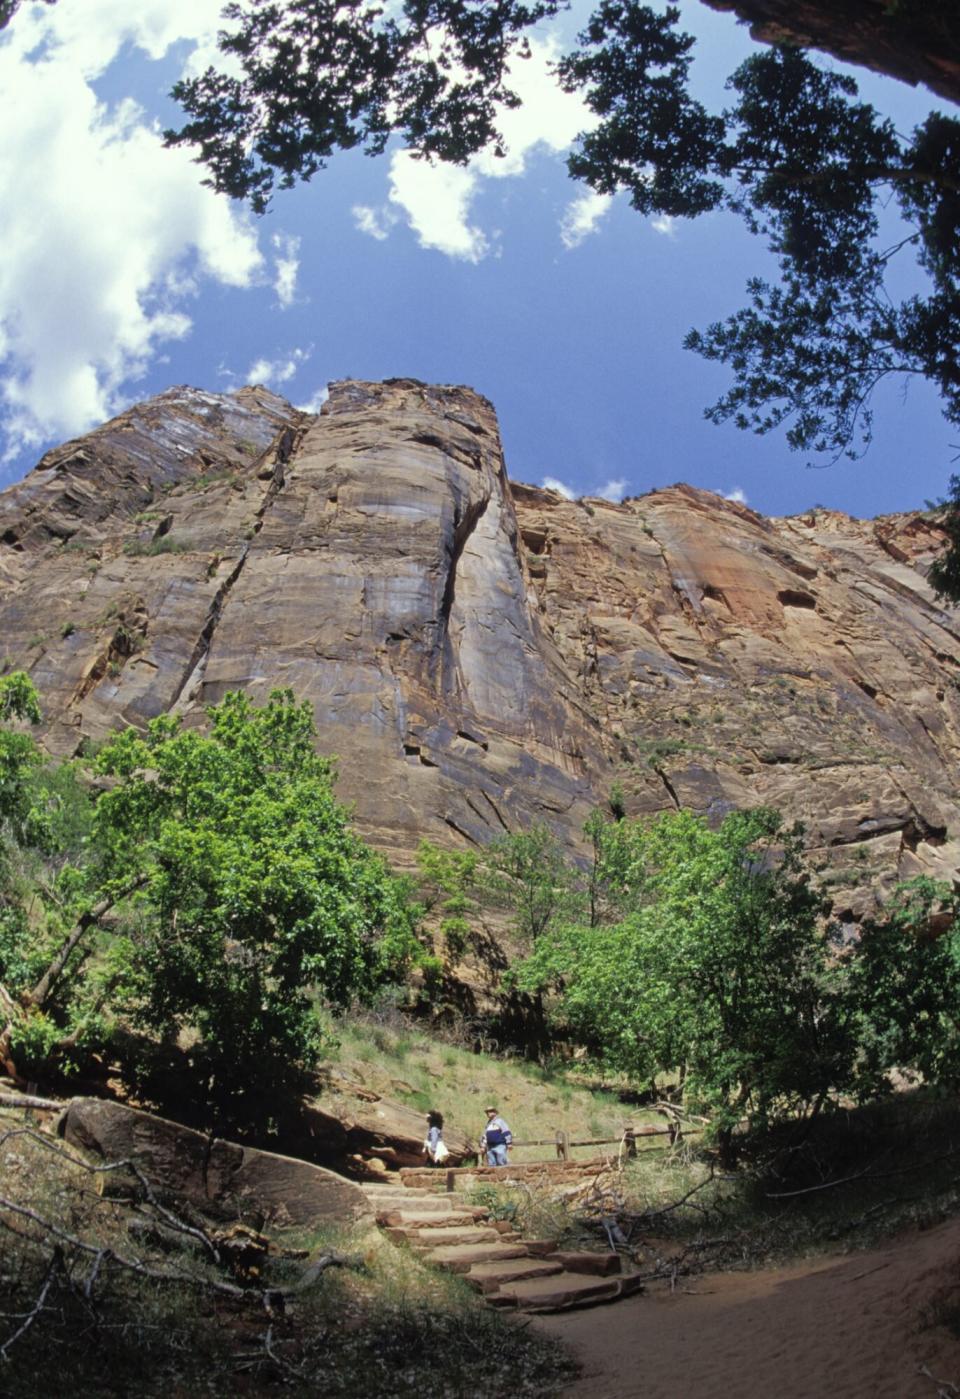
x=482, y=655
x=918, y=43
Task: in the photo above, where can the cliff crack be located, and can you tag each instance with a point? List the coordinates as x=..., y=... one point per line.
x=667, y=783
x=272, y=462
x=464, y=528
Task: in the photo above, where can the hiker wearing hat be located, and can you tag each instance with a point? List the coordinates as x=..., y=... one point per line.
x=497, y=1138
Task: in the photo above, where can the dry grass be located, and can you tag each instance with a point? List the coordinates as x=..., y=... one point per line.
x=426, y=1073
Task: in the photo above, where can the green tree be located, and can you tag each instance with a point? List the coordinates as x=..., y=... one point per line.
x=18, y=752
x=904, y=989
x=723, y=969
x=448, y=879
x=527, y=873
x=316, y=77
x=254, y=894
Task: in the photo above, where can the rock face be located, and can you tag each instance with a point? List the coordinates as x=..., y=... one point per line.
x=482, y=655
x=916, y=43
x=217, y=1177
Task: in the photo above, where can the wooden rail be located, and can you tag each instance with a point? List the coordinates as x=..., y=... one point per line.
x=628, y=1139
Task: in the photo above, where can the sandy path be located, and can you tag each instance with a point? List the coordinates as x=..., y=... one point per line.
x=837, y=1328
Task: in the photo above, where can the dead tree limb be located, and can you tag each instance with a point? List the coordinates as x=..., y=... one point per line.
x=28, y=1100
x=171, y=1220
x=54, y=1268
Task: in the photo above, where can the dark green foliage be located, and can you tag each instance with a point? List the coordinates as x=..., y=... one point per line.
x=18, y=752
x=709, y=953
x=721, y=967
x=319, y=77
x=807, y=166
x=904, y=988
x=945, y=570
x=654, y=140
x=239, y=899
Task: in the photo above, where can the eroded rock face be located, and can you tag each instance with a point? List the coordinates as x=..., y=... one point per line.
x=736, y=661
x=481, y=656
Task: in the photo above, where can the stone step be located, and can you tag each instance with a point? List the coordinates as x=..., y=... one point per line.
x=416, y=1218
x=488, y=1277
x=402, y=1192
x=460, y=1258
x=429, y=1240
x=429, y=1204
x=563, y=1291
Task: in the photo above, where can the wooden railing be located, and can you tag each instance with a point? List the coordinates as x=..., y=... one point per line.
x=563, y=1144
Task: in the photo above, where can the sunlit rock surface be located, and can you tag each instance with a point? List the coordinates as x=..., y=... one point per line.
x=481, y=655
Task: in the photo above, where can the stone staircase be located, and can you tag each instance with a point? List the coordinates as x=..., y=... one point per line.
x=531, y=1275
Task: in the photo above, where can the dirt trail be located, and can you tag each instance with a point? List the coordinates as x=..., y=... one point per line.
x=851, y=1327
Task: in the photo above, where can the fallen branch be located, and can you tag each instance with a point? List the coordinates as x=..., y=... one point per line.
x=866, y=1174
x=172, y=1220
x=54, y=1268
x=28, y=1100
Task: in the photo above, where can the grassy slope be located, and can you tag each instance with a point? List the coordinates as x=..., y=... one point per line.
x=406, y=1064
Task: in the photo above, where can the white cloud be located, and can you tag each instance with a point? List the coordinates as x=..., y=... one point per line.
x=436, y=199
x=316, y=401
x=737, y=494
x=665, y=224
x=286, y=265
x=376, y=223
x=105, y=234
x=582, y=217
x=277, y=371
x=614, y=490
x=550, y=483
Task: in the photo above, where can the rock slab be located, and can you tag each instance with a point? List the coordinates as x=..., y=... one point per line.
x=217, y=1177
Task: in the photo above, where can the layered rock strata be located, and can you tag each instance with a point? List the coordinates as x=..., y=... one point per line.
x=482, y=655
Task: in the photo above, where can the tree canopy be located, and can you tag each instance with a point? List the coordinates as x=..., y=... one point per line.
x=719, y=969
x=240, y=902
x=711, y=955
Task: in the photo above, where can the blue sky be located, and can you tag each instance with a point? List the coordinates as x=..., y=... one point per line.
x=122, y=275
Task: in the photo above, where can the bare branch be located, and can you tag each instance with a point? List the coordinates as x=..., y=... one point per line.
x=54, y=1267
x=28, y=1100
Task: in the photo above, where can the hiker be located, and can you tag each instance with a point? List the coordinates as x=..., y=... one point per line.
x=434, y=1147
x=497, y=1138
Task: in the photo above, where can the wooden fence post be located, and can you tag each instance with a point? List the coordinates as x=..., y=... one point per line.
x=563, y=1146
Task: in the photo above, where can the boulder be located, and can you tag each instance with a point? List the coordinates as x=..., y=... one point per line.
x=375, y=1131
x=217, y=1177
